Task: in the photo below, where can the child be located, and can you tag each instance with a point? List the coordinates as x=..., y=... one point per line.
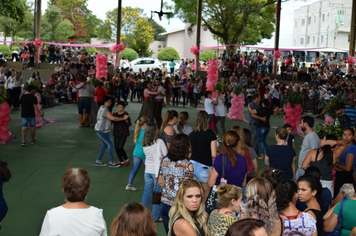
x=290, y=138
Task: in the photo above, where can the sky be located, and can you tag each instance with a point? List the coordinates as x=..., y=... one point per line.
x=100, y=7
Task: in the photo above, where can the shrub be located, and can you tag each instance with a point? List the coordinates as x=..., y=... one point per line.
x=5, y=50
x=167, y=54
x=91, y=50
x=129, y=53
x=207, y=55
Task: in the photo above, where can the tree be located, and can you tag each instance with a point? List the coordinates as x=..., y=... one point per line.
x=167, y=54
x=234, y=22
x=157, y=28
x=5, y=50
x=207, y=54
x=14, y=9
x=129, y=53
x=91, y=50
x=64, y=30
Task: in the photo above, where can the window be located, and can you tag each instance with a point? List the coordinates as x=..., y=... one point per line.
x=301, y=41
x=296, y=24
x=323, y=18
x=322, y=39
x=309, y=20
x=303, y=22
x=295, y=42
x=159, y=46
x=308, y=40
x=313, y=39
x=314, y=18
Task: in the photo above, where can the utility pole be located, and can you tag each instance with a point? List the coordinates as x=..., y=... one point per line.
x=276, y=36
x=118, y=33
x=200, y=3
x=34, y=20
x=37, y=25
x=353, y=30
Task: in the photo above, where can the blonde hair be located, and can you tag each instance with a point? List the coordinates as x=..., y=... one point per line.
x=241, y=145
x=282, y=132
x=202, y=122
x=139, y=123
x=179, y=209
x=261, y=202
x=226, y=193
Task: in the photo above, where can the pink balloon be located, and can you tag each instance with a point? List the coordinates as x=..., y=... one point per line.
x=7, y=118
x=3, y=114
x=39, y=107
x=5, y=106
x=4, y=129
x=4, y=137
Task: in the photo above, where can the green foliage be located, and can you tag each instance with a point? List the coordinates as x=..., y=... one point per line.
x=64, y=30
x=221, y=86
x=294, y=99
x=157, y=28
x=91, y=50
x=5, y=50
x=234, y=22
x=207, y=55
x=167, y=54
x=237, y=90
x=3, y=96
x=14, y=9
x=323, y=129
x=95, y=82
x=129, y=53
x=331, y=106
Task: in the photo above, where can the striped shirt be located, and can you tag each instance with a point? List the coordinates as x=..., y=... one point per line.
x=351, y=113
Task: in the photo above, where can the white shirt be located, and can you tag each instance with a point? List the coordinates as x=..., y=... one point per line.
x=83, y=92
x=220, y=107
x=162, y=90
x=209, y=107
x=186, y=129
x=149, y=153
x=10, y=84
x=74, y=222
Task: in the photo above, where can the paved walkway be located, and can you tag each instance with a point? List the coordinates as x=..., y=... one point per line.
x=35, y=186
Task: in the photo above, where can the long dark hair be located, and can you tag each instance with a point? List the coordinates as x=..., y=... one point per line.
x=285, y=193
x=248, y=137
x=327, y=152
x=314, y=184
x=183, y=116
x=4, y=171
x=230, y=141
x=180, y=148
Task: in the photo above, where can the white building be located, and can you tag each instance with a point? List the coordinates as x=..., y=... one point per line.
x=325, y=23
x=181, y=41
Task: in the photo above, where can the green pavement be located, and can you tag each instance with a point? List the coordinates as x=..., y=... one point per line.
x=35, y=186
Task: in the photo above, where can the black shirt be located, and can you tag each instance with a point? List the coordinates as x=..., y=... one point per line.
x=201, y=146
x=345, y=121
x=27, y=102
x=264, y=112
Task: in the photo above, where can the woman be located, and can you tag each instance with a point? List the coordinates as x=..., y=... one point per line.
x=175, y=168
x=25, y=59
x=247, y=227
x=91, y=71
x=229, y=199
x=154, y=149
x=176, y=86
x=171, y=66
x=235, y=164
x=187, y=215
x=242, y=148
x=274, y=176
x=220, y=111
x=196, y=92
x=347, y=160
x=281, y=156
x=138, y=154
x=167, y=87
x=16, y=89
x=248, y=142
x=102, y=129
x=322, y=158
x=310, y=192
x=203, y=142
x=121, y=132
x=167, y=130
x=147, y=109
x=31, y=52
x=209, y=108
x=74, y=217
x=5, y=176
x=181, y=127
x=294, y=220
x=260, y=204
x=348, y=216
x=134, y=219
x=295, y=73
x=9, y=85
x=58, y=68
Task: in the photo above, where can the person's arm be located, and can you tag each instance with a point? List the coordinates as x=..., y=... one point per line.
x=307, y=159
x=337, y=153
x=113, y=118
x=215, y=101
x=36, y=108
x=213, y=148
x=337, y=199
x=348, y=163
x=252, y=111
x=266, y=160
x=213, y=175
x=293, y=167
x=183, y=227
x=331, y=222
x=245, y=180
x=255, y=165
x=160, y=182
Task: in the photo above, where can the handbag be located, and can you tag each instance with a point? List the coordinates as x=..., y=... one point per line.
x=337, y=230
x=211, y=202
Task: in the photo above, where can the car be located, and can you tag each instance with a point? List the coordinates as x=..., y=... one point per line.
x=143, y=63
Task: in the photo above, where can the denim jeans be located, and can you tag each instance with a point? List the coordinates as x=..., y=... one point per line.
x=121, y=93
x=136, y=166
x=283, y=76
x=314, y=106
x=201, y=171
x=164, y=209
x=196, y=97
x=150, y=185
x=253, y=129
x=184, y=95
x=106, y=143
x=262, y=134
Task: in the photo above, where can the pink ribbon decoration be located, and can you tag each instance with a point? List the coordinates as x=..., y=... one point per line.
x=236, y=111
x=213, y=76
x=277, y=55
x=49, y=120
x=38, y=43
x=293, y=117
x=194, y=50
x=350, y=60
x=116, y=49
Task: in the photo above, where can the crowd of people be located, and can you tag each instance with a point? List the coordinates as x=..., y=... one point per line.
x=185, y=165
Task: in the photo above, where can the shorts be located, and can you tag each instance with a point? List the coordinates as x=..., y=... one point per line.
x=201, y=171
x=84, y=104
x=26, y=120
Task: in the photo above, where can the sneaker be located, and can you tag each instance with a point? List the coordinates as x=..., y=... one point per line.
x=23, y=144
x=120, y=163
x=33, y=141
x=100, y=164
x=51, y=63
x=127, y=162
x=114, y=165
x=130, y=188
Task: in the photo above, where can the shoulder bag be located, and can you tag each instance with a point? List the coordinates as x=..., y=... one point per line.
x=337, y=230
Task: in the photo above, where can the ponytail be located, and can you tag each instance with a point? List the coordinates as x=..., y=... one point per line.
x=231, y=140
x=182, y=118
x=139, y=123
x=170, y=114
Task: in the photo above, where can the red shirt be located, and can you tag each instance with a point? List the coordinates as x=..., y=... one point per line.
x=289, y=61
x=100, y=93
x=262, y=90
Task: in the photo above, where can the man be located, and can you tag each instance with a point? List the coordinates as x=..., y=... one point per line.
x=238, y=56
x=311, y=141
x=253, y=122
x=342, y=118
x=28, y=105
x=350, y=111
x=325, y=61
x=289, y=61
x=159, y=102
x=182, y=66
x=303, y=73
x=164, y=68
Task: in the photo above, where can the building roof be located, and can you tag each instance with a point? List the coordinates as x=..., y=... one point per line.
x=171, y=32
